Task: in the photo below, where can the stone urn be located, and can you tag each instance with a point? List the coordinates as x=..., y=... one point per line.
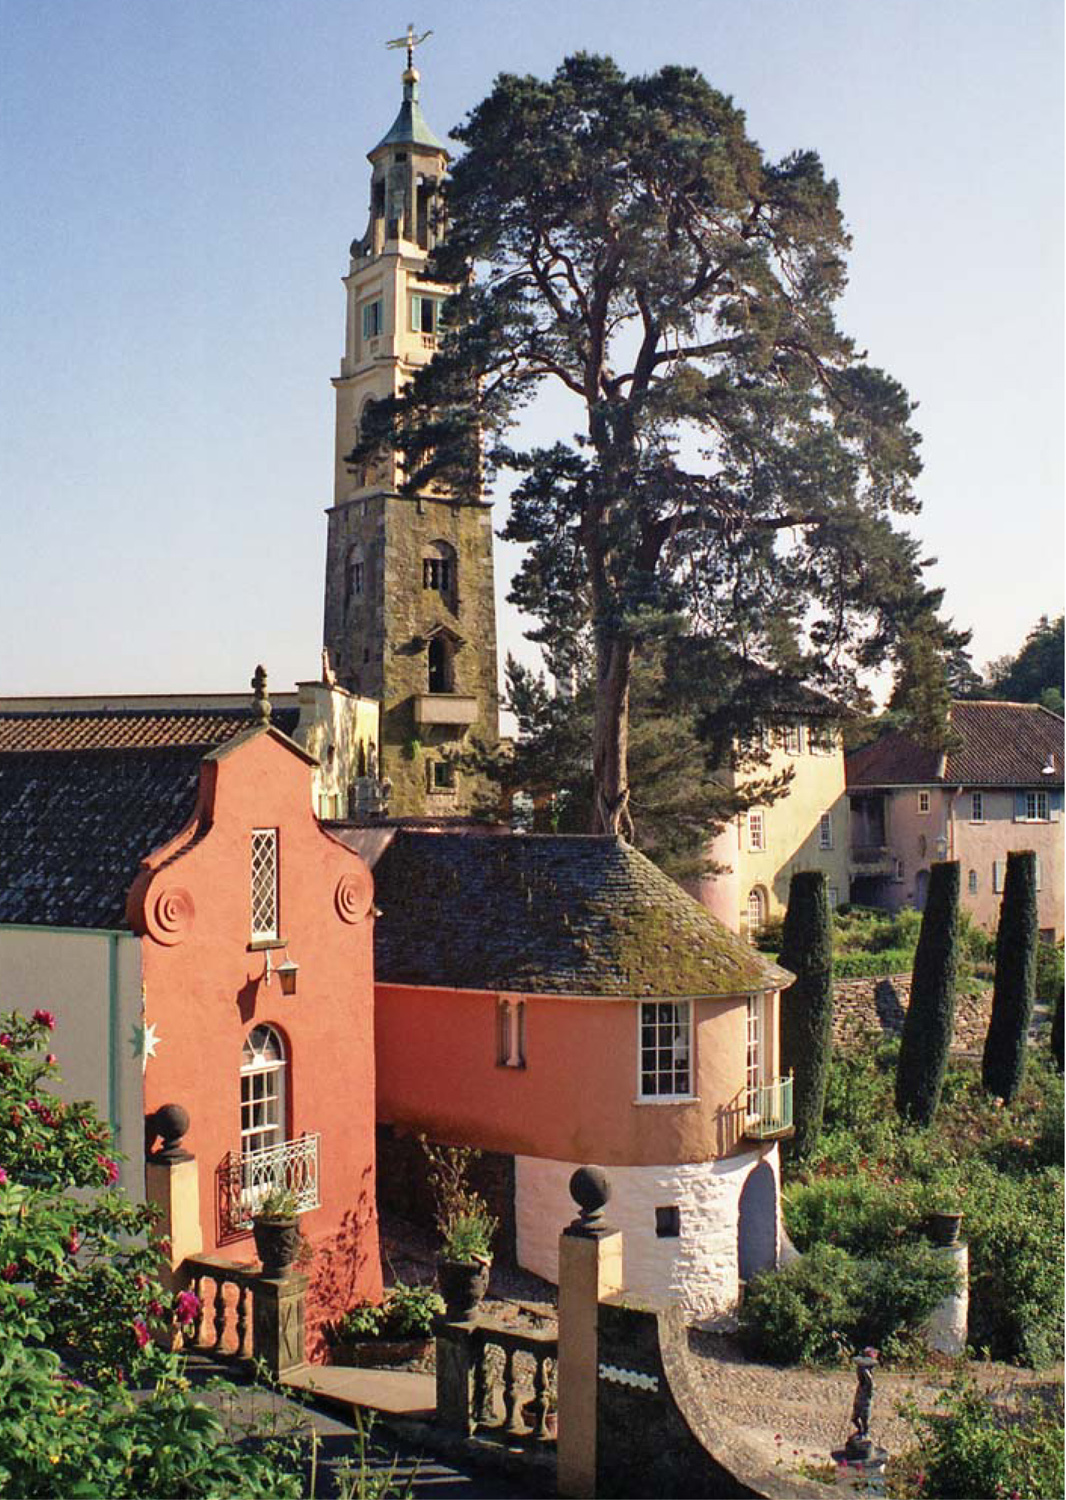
x=463, y=1283
x=277, y=1242
x=942, y=1226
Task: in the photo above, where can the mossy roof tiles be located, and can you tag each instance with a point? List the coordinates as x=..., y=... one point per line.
x=129, y=728
x=550, y=915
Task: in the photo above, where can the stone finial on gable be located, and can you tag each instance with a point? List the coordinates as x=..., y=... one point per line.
x=261, y=698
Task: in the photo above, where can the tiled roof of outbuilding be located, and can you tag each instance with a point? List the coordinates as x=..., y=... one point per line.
x=74, y=829
x=1003, y=744
x=552, y=915
x=130, y=728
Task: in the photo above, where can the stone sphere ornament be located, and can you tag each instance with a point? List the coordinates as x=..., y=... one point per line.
x=171, y=1122
x=591, y=1191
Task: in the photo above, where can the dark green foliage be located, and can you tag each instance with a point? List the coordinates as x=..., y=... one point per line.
x=862, y=1213
x=623, y=238
x=930, y=1019
x=1049, y=971
x=1037, y=671
x=1013, y=992
x=985, y=1443
x=807, y=1005
x=1056, y=1029
x=829, y=1301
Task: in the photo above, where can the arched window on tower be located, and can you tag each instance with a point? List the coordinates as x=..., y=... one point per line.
x=440, y=571
x=442, y=664
x=354, y=575
x=756, y=912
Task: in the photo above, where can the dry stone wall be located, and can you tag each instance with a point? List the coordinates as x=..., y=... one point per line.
x=862, y=1006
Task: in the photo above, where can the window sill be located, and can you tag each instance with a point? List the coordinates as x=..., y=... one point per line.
x=259, y=945
x=669, y=1099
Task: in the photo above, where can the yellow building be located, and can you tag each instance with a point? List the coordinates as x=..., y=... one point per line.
x=806, y=828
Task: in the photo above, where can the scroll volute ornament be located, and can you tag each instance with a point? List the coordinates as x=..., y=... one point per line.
x=354, y=895
x=169, y=915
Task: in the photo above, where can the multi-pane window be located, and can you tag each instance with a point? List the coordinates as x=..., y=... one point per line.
x=373, y=318
x=665, y=1049
x=825, y=831
x=923, y=802
x=973, y=883
x=756, y=829
x=756, y=1033
x=820, y=739
x=1036, y=807
x=262, y=1091
x=443, y=776
x=977, y=807
x=264, y=884
x=792, y=738
x=756, y=913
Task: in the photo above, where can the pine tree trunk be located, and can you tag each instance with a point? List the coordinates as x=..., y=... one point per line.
x=610, y=739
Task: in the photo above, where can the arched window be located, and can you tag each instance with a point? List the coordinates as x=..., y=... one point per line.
x=441, y=664
x=756, y=912
x=439, y=567
x=263, y=1079
x=354, y=575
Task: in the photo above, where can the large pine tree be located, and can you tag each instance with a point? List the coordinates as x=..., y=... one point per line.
x=807, y=1005
x=1014, y=987
x=739, y=464
x=930, y=1019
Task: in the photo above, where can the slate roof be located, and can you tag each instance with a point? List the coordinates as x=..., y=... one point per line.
x=130, y=728
x=74, y=828
x=549, y=914
x=1003, y=744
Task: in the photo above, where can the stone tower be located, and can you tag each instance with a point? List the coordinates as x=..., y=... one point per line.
x=410, y=613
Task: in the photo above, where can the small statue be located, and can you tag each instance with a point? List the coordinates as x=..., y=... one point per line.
x=865, y=1364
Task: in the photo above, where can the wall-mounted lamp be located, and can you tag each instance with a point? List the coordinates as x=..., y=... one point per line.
x=286, y=971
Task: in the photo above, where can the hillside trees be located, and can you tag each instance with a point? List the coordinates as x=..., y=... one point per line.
x=739, y=463
x=1036, y=674
x=930, y=1019
x=807, y=1005
x=1013, y=989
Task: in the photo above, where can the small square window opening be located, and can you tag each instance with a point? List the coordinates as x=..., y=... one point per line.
x=668, y=1222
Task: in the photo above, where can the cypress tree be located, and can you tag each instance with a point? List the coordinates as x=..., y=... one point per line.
x=930, y=1020
x=1056, y=1031
x=807, y=1005
x=1013, y=990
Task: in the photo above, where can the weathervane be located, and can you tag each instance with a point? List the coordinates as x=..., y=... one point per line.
x=410, y=41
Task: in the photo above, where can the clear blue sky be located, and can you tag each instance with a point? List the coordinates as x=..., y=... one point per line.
x=179, y=185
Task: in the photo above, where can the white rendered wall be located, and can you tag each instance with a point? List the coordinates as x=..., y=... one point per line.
x=697, y=1269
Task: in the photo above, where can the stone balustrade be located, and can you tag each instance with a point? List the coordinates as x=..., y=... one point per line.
x=495, y=1380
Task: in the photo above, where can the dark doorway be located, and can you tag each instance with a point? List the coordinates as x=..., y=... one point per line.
x=757, y=1223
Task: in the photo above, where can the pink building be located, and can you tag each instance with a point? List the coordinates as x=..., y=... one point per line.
x=999, y=788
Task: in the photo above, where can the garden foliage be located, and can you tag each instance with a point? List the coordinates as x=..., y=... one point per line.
x=807, y=1005
x=1013, y=993
x=930, y=1019
x=80, y=1301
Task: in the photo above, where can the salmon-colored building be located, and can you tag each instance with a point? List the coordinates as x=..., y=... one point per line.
x=560, y=1001
x=161, y=901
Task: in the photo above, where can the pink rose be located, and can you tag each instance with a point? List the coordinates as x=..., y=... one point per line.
x=73, y=1243
x=3, y=1177
x=45, y=1018
x=10, y=1271
x=110, y=1168
x=186, y=1307
x=5, y=1039
x=140, y=1332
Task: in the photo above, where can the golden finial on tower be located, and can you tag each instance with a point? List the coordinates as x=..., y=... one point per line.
x=410, y=41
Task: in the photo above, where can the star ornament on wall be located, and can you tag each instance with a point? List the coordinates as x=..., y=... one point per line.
x=143, y=1042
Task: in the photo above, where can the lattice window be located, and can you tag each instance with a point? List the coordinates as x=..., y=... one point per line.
x=825, y=831
x=756, y=1041
x=264, y=883
x=756, y=830
x=665, y=1049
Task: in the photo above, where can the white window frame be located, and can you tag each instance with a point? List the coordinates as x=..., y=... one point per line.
x=263, y=885
x=672, y=1018
x=755, y=1052
x=792, y=739
x=820, y=739
x=923, y=802
x=1034, y=802
x=999, y=875
x=373, y=318
x=825, y=831
x=977, y=807
x=264, y=1097
x=756, y=900
x=756, y=830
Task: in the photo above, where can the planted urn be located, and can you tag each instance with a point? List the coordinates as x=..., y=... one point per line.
x=276, y=1230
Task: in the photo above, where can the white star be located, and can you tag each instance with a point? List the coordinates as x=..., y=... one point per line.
x=143, y=1041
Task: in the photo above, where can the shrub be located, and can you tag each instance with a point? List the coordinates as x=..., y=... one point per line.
x=1057, y=1030
x=828, y=1302
x=976, y=1445
x=930, y=1018
x=1049, y=972
x=862, y=1214
x=880, y=965
x=1003, y=1064
x=466, y=1226
x=807, y=1005
x=407, y=1312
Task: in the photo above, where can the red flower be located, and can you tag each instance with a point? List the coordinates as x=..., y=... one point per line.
x=186, y=1307
x=10, y=1271
x=73, y=1243
x=140, y=1332
x=110, y=1168
x=51, y=1059
x=45, y=1018
x=5, y=1039
x=155, y=1307
x=3, y=1177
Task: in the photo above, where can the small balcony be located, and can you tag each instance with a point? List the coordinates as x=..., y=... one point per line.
x=770, y=1111
x=246, y=1179
x=872, y=859
x=445, y=708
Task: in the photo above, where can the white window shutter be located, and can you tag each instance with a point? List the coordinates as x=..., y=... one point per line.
x=998, y=866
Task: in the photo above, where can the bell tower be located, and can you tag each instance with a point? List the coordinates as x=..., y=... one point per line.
x=410, y=614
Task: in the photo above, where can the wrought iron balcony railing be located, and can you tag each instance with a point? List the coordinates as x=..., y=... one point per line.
x=249, y=1176
x=770, y=1110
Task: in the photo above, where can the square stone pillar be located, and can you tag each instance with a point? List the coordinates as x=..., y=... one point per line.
x=174, y=1187
x=590, y=1268
x=455, y=1377
x=278, y=1321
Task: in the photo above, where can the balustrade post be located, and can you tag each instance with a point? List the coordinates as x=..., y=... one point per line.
x=171, y=1182
x=458, y=1359
x=278, y=1308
